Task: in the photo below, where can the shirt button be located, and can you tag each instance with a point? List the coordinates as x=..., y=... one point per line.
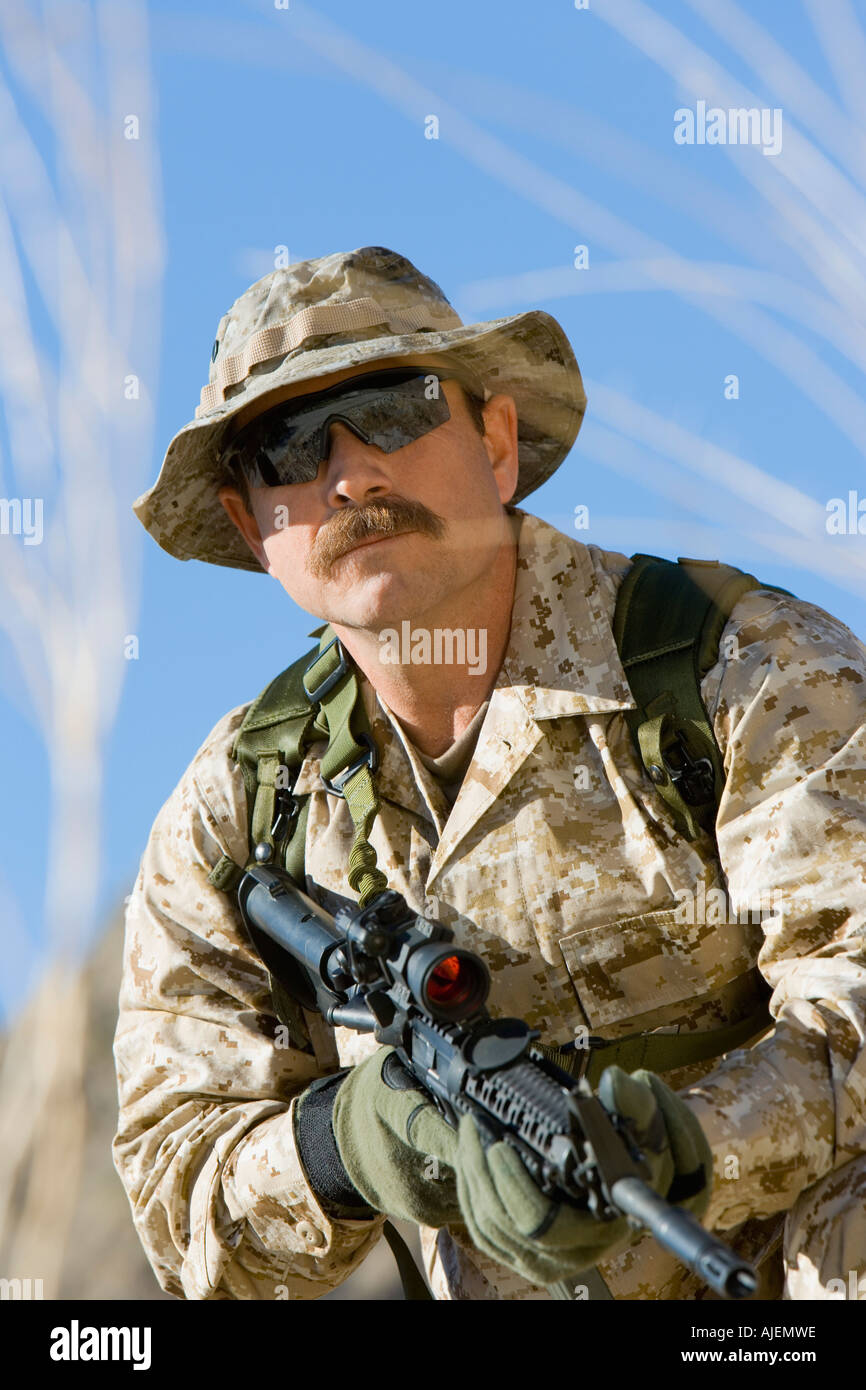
x=309, y=1234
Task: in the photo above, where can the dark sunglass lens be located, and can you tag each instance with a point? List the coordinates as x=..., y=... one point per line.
x=392, y=419
x=387, y=409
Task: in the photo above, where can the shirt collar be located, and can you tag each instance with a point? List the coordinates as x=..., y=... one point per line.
x=561, y=660
x=561, y=657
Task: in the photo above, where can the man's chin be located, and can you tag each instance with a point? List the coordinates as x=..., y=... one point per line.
x=372, y=602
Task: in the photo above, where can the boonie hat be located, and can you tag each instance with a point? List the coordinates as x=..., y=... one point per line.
x=350, y=309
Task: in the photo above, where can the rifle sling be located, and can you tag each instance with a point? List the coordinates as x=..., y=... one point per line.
x=658, y=1052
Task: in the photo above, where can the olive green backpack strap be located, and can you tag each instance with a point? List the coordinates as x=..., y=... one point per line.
x=667, y=625
x=351, y=758
x=269, y=746
x=317, y=697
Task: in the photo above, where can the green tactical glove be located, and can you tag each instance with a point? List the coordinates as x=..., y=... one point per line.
x=388, y=1133
x=673, y=1149
x=395, y=1146
x=511, y=1220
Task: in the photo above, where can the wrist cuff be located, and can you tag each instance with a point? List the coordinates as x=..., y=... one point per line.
x=317, y=1148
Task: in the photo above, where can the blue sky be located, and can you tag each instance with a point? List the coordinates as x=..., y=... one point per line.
x=305, y=128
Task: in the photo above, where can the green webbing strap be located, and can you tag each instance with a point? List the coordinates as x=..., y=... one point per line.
x=277, y=727
x=350, y=750
x=667, y=626
x=293, y=858
x=225, y=875
x=271, y=743
x=665, y=1051
x=362, y=799
x=660, y=1051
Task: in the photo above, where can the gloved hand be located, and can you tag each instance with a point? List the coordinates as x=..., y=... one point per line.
x=511, y=1220
x=395, y=1146
x=668, y=1132
x=387, y=1135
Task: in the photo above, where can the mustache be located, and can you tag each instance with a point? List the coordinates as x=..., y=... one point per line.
x=387, y=517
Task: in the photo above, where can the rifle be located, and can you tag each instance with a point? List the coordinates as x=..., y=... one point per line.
x=386, y=970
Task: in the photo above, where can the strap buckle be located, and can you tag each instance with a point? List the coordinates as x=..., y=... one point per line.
x=694, y=778
x=369, y=759
x=317, y=695
x=575, y=1058
x=286, y=811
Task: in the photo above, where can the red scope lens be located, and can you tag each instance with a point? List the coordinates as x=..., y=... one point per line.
x=452, y=982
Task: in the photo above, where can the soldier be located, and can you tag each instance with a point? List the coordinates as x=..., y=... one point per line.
x=360, y=444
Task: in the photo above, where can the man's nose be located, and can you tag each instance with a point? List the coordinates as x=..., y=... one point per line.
x=354, y=470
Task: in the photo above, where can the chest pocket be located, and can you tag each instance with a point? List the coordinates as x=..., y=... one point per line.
x=655, y=964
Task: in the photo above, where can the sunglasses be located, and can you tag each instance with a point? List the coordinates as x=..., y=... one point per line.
x=388, y=409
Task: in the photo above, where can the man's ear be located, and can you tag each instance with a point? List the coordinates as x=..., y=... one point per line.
x=500, y=441
x=245, y=522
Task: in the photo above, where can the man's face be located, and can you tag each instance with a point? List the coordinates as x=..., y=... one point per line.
x=441, y=497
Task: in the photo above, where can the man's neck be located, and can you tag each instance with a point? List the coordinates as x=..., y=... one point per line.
x=431, y=692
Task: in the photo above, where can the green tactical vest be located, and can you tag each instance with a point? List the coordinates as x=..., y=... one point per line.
x=667, y=626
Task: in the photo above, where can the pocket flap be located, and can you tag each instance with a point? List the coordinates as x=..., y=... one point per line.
x=637, y=965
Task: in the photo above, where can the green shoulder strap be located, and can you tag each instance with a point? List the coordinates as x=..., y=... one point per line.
x=667, y=625
x=316, y=697
x=270, y=748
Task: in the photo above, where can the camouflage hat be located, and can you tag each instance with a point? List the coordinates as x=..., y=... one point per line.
x=347, y=310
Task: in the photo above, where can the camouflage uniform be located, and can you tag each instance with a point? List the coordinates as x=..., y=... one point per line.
x=559, y=863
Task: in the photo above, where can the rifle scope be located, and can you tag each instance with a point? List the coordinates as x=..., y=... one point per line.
x=450, y=983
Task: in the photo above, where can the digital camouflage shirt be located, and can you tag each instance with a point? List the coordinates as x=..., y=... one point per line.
x=559, y=863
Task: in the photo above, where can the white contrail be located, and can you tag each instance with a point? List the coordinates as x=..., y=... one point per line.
x=589, y=137
x=724, y=469
x=778, y=292
x=779, y=73
x=814, y=178
x=709, y=288
x=753, y=230
x=844, y=45
x=363, y=64
x=743, y=501
x=822, y=255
